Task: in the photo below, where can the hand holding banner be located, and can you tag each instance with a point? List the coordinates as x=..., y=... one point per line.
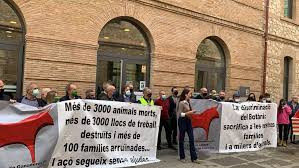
x=84, y=133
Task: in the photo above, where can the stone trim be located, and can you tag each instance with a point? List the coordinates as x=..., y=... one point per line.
x=283, y=40
x=171, y=57
x=59, y=80
x=61, y=61
x=30, y=38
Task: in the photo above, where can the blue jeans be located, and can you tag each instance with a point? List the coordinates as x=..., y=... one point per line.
x=185, y=125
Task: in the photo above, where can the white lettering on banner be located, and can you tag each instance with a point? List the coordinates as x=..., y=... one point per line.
x=248, y=126
x=84, y=133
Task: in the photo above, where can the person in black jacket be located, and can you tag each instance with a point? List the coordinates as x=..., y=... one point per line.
x=251, y=97
x=127, y=95
x=90, y=94
x=221, y=96
x=203, y=94
x=295, y=107
x=2, y=95
x=173, y=101
x=108, y=93
x=70, y=93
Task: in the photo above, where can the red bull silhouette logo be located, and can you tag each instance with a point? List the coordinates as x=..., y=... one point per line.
x=25, y=131
x=204, y=119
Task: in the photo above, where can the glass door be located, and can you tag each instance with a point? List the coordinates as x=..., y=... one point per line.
x=135, y=73
x=122, y=72
x=108, y=71
x=9, y=56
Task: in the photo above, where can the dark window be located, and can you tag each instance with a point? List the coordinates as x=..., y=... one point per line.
x=11, y=49
x=287, y=77
x=210, y=71
x=288, y=8
x=123, y=55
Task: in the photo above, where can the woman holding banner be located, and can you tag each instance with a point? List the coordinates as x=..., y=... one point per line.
x=185, y=125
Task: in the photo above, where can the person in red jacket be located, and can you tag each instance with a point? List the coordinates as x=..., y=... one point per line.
x=164, y=119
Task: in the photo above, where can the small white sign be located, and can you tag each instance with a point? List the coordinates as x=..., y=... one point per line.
x=141, y=85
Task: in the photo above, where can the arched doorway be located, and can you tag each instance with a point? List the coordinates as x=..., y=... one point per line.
x=11, y=49
x=123, y=55
x=210, y=70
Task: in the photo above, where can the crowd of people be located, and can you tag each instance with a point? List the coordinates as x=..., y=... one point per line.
x=176, y=109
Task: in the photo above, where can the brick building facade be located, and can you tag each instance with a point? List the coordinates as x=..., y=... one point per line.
x=62, y=41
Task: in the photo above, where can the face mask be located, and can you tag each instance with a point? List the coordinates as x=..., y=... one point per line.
x=237, y=100
x=128, y=93
x=164, y=97
x=35, y=92
x=205, y=94
x=74, y=93
x=176, y=93
x=56, y=99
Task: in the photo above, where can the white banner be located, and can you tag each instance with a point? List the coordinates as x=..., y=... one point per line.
x=248, y=126
x=79, y=133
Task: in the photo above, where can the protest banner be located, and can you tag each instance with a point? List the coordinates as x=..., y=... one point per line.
x=248, y=126
x=233, y=127
x=206, y=124
x=78, y=133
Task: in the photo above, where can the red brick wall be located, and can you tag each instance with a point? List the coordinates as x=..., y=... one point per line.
x=62, y=39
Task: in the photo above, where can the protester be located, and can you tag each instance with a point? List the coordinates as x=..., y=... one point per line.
x=43, y=95
x=283, y=121
x=51, y=97
x=30, y=98
x=131, y=86
x=127, y=95
x=146, y=99
x=203, y=94
x=294, y=105
x=236, y=98
x=164, y=119
x=267, y=98
x=221, y=97
x=90, y=94
x=108, y=92
x=185, y=125
x=262, y=99
x=71, y=93
x=2, y=95
x=213, y=94
x=230, y=99
x=251, y=97
x=173, y=101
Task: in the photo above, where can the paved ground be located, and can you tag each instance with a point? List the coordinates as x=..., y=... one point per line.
x=268, y=158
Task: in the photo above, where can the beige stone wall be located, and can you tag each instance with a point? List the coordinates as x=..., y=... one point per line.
x=61, y=45
x=283, y=41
